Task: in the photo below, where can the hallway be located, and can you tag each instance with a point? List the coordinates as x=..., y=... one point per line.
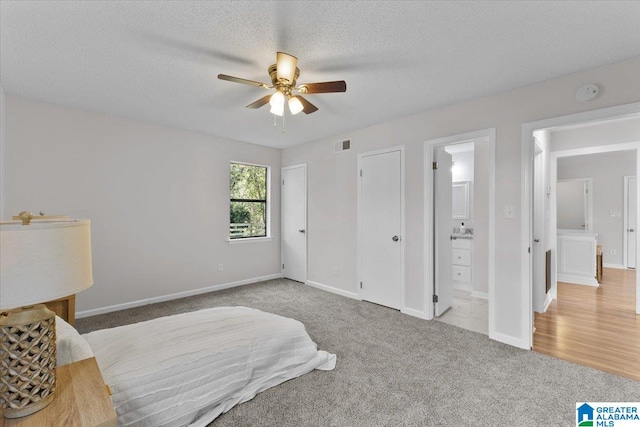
x=591, y=326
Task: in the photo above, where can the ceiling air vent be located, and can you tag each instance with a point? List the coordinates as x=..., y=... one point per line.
x=342, y=145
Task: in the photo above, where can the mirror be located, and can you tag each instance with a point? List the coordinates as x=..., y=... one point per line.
x=573, y=201
x=460, y=200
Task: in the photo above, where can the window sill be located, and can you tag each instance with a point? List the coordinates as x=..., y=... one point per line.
x=249, y=240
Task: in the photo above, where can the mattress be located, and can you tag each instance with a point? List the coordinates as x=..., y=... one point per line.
x=189, y=368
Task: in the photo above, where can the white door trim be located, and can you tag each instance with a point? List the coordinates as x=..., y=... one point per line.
x=306, y=219
x=400, y=148
x=490, y=136
x=526, y=226
x=625, y=219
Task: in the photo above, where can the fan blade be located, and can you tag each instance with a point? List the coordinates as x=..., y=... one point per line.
x=307, y=107
x=260, y=102
x=324, y=87
x=243, y=81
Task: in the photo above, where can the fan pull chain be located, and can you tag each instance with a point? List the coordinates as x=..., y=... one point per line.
x=283, y=129
x=275, y=120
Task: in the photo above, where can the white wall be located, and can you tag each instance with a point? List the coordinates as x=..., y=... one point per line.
x=332, y=180
x=614, y=132
x=2, y=158
x=608, y=171
x=157, y=197
x=571, y=204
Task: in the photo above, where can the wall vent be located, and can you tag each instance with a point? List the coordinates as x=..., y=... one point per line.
x=343, y=145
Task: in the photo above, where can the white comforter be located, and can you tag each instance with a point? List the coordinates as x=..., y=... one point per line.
x=189, y=368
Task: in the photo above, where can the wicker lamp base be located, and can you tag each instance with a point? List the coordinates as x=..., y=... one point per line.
x=27, y=360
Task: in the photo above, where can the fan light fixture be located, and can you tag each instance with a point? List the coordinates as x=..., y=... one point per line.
x=286, y=67
x=284, y=75
x=295, y=106
x=277, y=103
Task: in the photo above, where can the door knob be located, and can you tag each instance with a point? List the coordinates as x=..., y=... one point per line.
x=631, y=230
x=536, y=240
x=395, y=238
x=301, y=231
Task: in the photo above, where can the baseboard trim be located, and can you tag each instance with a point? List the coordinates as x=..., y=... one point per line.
x=577, y=280
x=408, y=311
x=508, y=339
x=333, y=290
x=413, y=312
x=480, y=295
x=162, y=298
x=616, y=266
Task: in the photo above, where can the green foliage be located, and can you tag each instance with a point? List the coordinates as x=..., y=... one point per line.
x=239, y=214
x=248, y=182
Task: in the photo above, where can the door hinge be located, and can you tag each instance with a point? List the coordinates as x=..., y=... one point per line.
x=529, y=249
x=434, y=166
x=435, y=298
x=360, y=172
x=360, y=285
x=283, y=182
x=283, y=266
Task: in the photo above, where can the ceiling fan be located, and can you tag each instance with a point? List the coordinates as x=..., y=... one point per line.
x=284, y=75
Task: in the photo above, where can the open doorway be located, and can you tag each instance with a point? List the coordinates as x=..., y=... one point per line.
x=569, y=290
x=459, y=221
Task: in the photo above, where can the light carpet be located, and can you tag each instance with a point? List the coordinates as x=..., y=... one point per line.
x=397, y=370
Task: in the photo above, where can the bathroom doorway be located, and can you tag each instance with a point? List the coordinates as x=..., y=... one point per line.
x=459, y=248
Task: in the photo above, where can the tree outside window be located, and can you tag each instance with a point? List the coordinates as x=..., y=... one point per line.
x=248, y=201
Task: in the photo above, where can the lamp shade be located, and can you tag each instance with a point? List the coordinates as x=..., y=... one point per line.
x=277, y=103
x=286, y=66
x=43, y=261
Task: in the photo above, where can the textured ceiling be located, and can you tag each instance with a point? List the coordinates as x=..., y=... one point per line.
x=158, y=61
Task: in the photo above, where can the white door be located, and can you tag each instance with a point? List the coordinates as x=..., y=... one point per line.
x=539, y=259
x=380, y=220
x=632, y=222
x=294, y=222
x=443, y=275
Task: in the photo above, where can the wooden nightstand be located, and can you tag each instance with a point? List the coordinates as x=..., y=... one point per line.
x=65, y=308
x=81, y=400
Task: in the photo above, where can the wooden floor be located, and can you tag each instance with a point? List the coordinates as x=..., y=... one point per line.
x=596, y=327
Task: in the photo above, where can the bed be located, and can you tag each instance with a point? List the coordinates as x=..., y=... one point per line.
x=187, y=369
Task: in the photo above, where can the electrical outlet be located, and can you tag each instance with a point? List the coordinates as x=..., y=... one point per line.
x=613, y=252
x=335, y=271
x=220, y=267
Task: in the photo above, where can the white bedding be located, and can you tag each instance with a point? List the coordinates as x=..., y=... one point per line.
x=70, y=346
x=189, y=368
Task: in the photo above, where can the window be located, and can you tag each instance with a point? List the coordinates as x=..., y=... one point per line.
x=248, y=197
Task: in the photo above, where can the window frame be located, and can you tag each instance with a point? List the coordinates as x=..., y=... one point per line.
x=267, y=202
